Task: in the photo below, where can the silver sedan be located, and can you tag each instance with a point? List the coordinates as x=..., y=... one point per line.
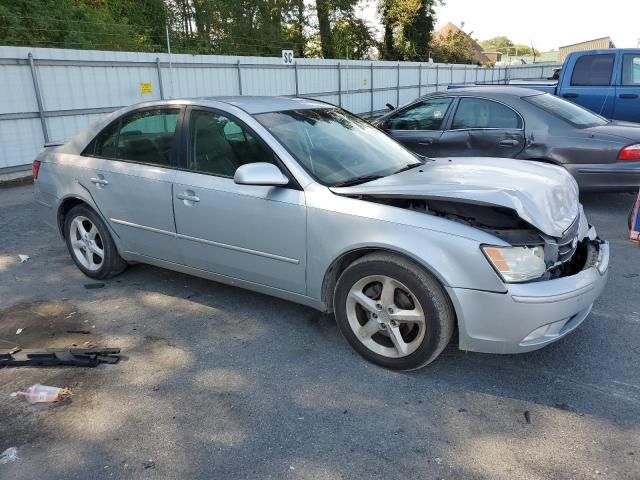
x=298, y=199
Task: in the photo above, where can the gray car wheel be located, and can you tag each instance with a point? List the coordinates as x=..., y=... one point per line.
x=393, y=312
x=91, y=245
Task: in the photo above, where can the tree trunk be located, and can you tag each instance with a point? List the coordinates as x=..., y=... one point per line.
x=322, y=8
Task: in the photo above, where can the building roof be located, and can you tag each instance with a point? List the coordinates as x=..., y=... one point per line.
x=612, y=45
x=450, y=29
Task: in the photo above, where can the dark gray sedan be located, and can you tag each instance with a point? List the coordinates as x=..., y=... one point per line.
x=525, y=124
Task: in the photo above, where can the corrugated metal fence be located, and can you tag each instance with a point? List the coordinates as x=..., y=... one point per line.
x=50, y=94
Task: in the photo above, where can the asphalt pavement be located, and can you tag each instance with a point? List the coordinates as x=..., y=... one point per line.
x=221, y=383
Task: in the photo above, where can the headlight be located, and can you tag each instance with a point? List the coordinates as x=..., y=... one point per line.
x=517, y=264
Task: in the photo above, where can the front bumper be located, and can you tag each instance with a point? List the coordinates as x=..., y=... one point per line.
x=530, y=315
x=618, y=176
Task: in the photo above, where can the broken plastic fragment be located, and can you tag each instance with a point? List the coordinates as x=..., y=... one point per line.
x=23, y=258
x=19, y=331
x=9, y=455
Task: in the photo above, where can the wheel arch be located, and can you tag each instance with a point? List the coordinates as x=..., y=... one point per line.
x=340, y=263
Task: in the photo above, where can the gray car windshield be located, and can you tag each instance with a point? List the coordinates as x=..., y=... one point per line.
x=572, y=113
x=337, y=148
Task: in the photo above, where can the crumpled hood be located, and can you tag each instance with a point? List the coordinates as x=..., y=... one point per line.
x=546, y=196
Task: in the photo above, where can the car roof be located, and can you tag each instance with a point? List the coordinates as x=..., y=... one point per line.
x=491, y=91
x=250, y=104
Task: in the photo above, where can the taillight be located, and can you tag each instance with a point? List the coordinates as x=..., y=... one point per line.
x=632, y=152
x=35, y=168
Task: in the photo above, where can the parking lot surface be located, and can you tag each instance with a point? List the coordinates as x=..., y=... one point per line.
x=218, y=382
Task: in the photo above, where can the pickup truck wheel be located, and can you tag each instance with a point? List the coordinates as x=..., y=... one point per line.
x=91, y=245
x=393, y=312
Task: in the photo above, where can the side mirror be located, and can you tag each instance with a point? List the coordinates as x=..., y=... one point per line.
x=260, y=173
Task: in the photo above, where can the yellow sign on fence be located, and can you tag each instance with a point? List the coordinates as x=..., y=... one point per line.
x=146, y=87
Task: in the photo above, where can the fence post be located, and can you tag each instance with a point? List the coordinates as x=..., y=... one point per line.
x=476, y=82
x=295, y=71
x=159, y=78
x=437, y=77
x=371, y=113
x=398, y=88
x=239, y=78
x=36, y=87
x=339, y=85
x=420, y=80
x=541, y=72
x=451, y=76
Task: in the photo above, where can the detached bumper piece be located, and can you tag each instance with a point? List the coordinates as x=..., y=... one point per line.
x=70, y=357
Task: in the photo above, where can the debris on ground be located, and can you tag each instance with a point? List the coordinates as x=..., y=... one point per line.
x=9, y=455
x=23, y=258
x=19, y=331
x=83, y=332
x=462, y=410
x=43, y=394
x=73, y=357
x=527, y=417
x=93, y=286
x=149, y=464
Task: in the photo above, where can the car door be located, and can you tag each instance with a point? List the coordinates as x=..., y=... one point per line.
x=419, y=126
x=247, y=232
x=591, y=84
x=628, y=91
x=483, y=127
x=130, y=178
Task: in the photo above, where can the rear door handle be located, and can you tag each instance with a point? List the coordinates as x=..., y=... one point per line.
x=570, y=95
x=188, y=197
x=628, y=95
x=99, y=181
x=427, y=142
x=509, y=143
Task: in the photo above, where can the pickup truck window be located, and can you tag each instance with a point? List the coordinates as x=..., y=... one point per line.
x=631, y=70
x=574, y=114
x=593, y=70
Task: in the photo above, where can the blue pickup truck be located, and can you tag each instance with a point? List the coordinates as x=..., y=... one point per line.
x=604, y=81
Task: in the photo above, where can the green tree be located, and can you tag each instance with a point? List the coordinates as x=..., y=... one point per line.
x=408, y=28
x=454, y=48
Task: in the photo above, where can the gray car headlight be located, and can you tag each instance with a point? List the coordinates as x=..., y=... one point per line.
x=517, y=264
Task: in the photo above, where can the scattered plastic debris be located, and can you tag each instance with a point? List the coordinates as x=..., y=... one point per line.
x=19, y=331
x=438, y=461
x=43, y=394
x=149, y=464
x=9, y=455
x=93, y=286
x=527, y=416
x=23, y=258
x=83, y=332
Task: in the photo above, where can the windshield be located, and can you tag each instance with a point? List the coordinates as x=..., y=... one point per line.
x=572, y=113
x=335, y=147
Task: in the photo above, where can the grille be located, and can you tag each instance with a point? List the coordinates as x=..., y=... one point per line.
x=568, y=243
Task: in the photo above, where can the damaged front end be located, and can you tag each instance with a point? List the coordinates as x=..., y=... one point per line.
x=532, y=254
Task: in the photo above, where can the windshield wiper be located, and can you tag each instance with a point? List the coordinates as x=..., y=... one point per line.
x=358, y=180
x=408, y=167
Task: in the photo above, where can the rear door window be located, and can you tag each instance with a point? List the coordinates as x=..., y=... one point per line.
x=482, y=113
x=427, y=115
x=631, y=70
x=143, y=137
x=593, y=70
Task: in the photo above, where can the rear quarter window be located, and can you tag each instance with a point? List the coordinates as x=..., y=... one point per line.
x=593, y=70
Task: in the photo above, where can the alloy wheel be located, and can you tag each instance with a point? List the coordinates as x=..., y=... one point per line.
x=86, y=243
x=385, y=316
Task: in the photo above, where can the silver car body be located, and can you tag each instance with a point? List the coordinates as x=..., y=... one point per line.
x=286, y=242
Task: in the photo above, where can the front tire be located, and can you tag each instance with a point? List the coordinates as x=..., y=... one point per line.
x=90, y=244
x=392, y=312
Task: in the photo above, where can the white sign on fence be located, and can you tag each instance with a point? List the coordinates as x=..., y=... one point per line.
x=287, y=57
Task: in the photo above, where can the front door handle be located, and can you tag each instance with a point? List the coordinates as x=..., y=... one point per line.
x=509, y=143
x=427, y=142
x=570, y=95
x=99, y=181
x=188, y=197
x=628, y=95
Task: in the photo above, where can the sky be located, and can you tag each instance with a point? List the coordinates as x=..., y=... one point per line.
x=548, y=24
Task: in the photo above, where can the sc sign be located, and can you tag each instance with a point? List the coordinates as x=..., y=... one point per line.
x=287, y=57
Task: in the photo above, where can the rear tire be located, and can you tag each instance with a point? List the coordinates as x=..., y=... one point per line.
x=90, y=244
x=393, y=312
